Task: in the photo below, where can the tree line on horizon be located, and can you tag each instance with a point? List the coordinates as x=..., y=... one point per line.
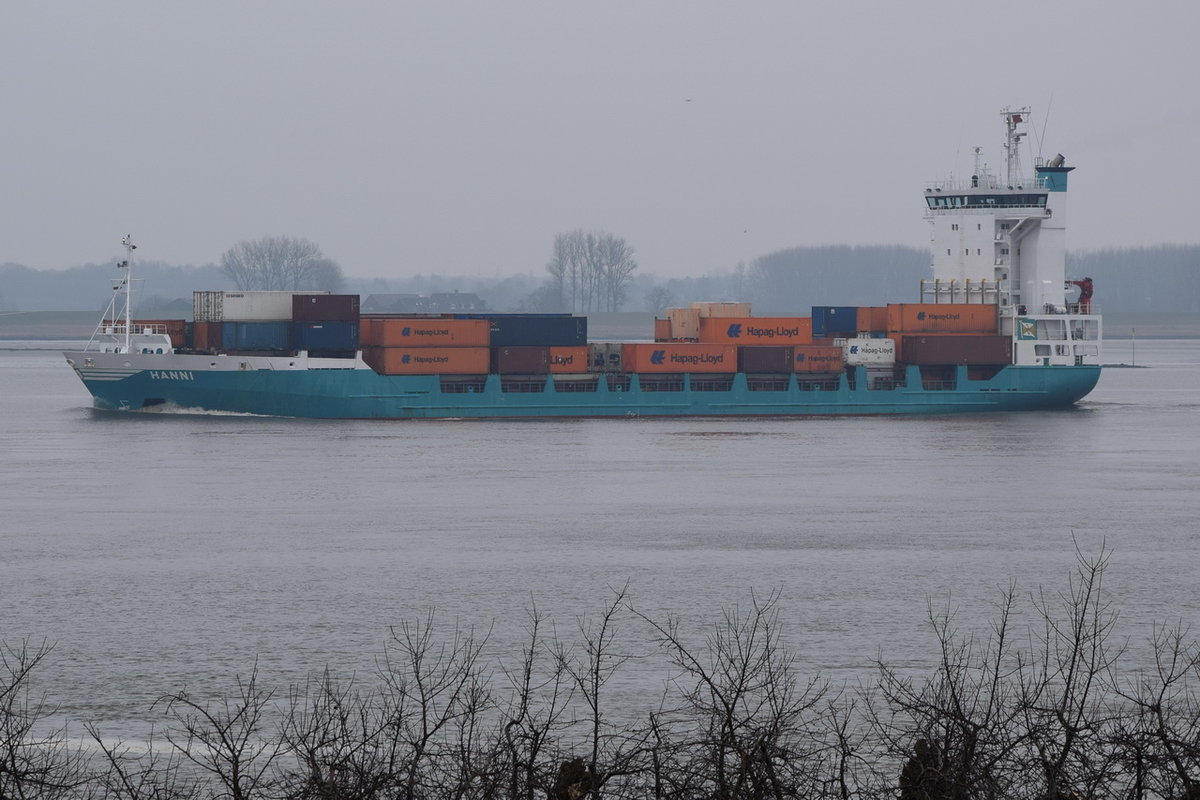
x=596, y=271
x=1056, y=709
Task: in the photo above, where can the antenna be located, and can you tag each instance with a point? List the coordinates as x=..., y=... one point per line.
x=126, y=265
x=1012, y=141
x=1045, y=123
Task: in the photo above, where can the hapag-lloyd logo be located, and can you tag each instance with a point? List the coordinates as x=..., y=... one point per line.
x=691, y=359
x=922, y=316
x=424, y=332
x=820, y=358
x=734, y=331
x=409, y=358
x=870, y=350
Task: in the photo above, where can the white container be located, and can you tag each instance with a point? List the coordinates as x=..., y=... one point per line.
x=866, y=351
x=243, y=306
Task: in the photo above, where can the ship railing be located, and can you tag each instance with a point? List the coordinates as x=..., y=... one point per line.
x=1070, y=309
x=987, y=183
x=773, y=383
x=522, y=385
x=817, y=384
x=710, y=383
x=466, y=385
x=117, y=328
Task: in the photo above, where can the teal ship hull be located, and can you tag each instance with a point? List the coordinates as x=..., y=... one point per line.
x=288, y=389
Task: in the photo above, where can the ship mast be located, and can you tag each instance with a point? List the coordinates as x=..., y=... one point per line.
x=1012, y=142
x=126, y=265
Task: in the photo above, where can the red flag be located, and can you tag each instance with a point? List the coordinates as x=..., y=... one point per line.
x=1017, y=118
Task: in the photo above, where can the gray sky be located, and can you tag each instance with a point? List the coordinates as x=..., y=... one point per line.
x=460, y=137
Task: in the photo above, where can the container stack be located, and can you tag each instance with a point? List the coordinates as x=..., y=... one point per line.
x=537, y=344
x=423, y=345
x=705, y=338
x=275, y=323
x=943, y=334
x=476, y=344
x=940, y=334
x=326, y=325
x=764, y=345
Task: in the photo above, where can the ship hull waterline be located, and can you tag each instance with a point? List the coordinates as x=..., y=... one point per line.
x=283, y=387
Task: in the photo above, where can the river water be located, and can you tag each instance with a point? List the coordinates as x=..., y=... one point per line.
x=158, y=552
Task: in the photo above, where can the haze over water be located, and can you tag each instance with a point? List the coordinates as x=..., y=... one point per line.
x=159, y=552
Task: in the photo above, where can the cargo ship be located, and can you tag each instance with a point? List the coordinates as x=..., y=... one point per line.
x=991, y=329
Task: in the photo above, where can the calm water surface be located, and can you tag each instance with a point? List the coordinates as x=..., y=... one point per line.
x=161, y=551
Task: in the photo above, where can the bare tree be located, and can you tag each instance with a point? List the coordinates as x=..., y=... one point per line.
x=281, y=263
x=142, y=773
x=227, y=739
x=591, y=271
x=748, y=713
x=1065, y=686
x=436, y=689
x=615, y=266
x=658, y=298
x=539, y=698
x=335, y=734
x=1159, y=739
x=612, y=751
x=957, y=730
x=34, y=762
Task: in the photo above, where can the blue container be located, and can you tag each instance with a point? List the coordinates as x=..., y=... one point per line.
x=326, y=336
x=534, y=330
x=265, y=336
x=834, y=321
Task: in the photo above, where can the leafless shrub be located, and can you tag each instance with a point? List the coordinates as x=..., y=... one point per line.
x=1045, y=714
x=227, y=739
x=746, y=719
x=37, y=758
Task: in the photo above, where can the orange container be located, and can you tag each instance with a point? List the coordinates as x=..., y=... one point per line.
x=756, y=330
x=662, y=330
x=427, y=360
x=872, y=318
x=685, y=323
x=817, y=358
x=941, y=318
x=569, y=359
x=679, y=357
x=424, y=332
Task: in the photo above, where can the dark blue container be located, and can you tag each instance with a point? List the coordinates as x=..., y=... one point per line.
x=326, y=336
x=534, y=330
x=834, y=321
x=263, y=336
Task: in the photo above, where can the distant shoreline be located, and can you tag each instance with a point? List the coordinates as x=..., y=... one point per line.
x=74, y=325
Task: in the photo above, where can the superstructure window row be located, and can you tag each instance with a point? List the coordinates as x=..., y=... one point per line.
x=986, y=201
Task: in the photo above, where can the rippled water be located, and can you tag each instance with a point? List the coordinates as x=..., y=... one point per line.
x=164, y=551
